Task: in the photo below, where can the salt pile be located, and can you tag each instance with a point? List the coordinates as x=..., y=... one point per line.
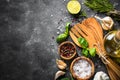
x=82, y=68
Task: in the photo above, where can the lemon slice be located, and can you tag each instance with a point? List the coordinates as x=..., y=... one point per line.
x=73, y=7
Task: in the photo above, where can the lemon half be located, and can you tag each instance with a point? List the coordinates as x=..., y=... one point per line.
x=73, y=7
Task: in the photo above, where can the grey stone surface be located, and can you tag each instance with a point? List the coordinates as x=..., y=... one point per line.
x=28, y=29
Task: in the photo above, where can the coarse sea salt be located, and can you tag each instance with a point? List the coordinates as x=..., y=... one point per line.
x=82, y=68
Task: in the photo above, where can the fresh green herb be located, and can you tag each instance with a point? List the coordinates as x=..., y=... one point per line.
x=83, y=14
x=103, y=6
x=86, y=51
x=83, y=42
x=62, y=37
x=92, y=51
x=71, y=77
x=65, y=79
x=67, y=29
x=99, y=5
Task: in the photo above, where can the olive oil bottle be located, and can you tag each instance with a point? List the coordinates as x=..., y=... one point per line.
x=112, y=45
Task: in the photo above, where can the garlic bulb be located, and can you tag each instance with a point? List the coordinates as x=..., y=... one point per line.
x=106, y=22
x=61, y=64
x=58, y=74
x=101, y=76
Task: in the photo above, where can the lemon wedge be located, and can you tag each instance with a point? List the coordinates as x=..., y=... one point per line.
x=73, y=6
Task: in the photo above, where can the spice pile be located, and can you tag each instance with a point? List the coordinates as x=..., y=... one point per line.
x=67, y=50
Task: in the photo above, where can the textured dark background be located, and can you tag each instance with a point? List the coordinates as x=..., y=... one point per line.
x=28, y=29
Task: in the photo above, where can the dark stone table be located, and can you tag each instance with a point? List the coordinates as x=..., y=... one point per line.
x=28, y=29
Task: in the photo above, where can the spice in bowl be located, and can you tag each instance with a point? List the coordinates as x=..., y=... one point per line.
x=82, y=68
x=67, y=50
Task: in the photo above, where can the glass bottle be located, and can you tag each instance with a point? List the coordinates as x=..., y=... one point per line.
x=112, y=44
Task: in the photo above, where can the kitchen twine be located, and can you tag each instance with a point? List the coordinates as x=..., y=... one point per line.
x=102, y=54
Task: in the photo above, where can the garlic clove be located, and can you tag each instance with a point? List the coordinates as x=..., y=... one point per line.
x=104, y=27
x=61, y=64
x=58, y=74
x=101, y=76
x=106, y=22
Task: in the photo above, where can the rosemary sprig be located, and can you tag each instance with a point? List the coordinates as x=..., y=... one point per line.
x=103, y=6
x=99, y=5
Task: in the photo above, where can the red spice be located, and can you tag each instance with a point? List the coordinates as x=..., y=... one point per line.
x=67, y=50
